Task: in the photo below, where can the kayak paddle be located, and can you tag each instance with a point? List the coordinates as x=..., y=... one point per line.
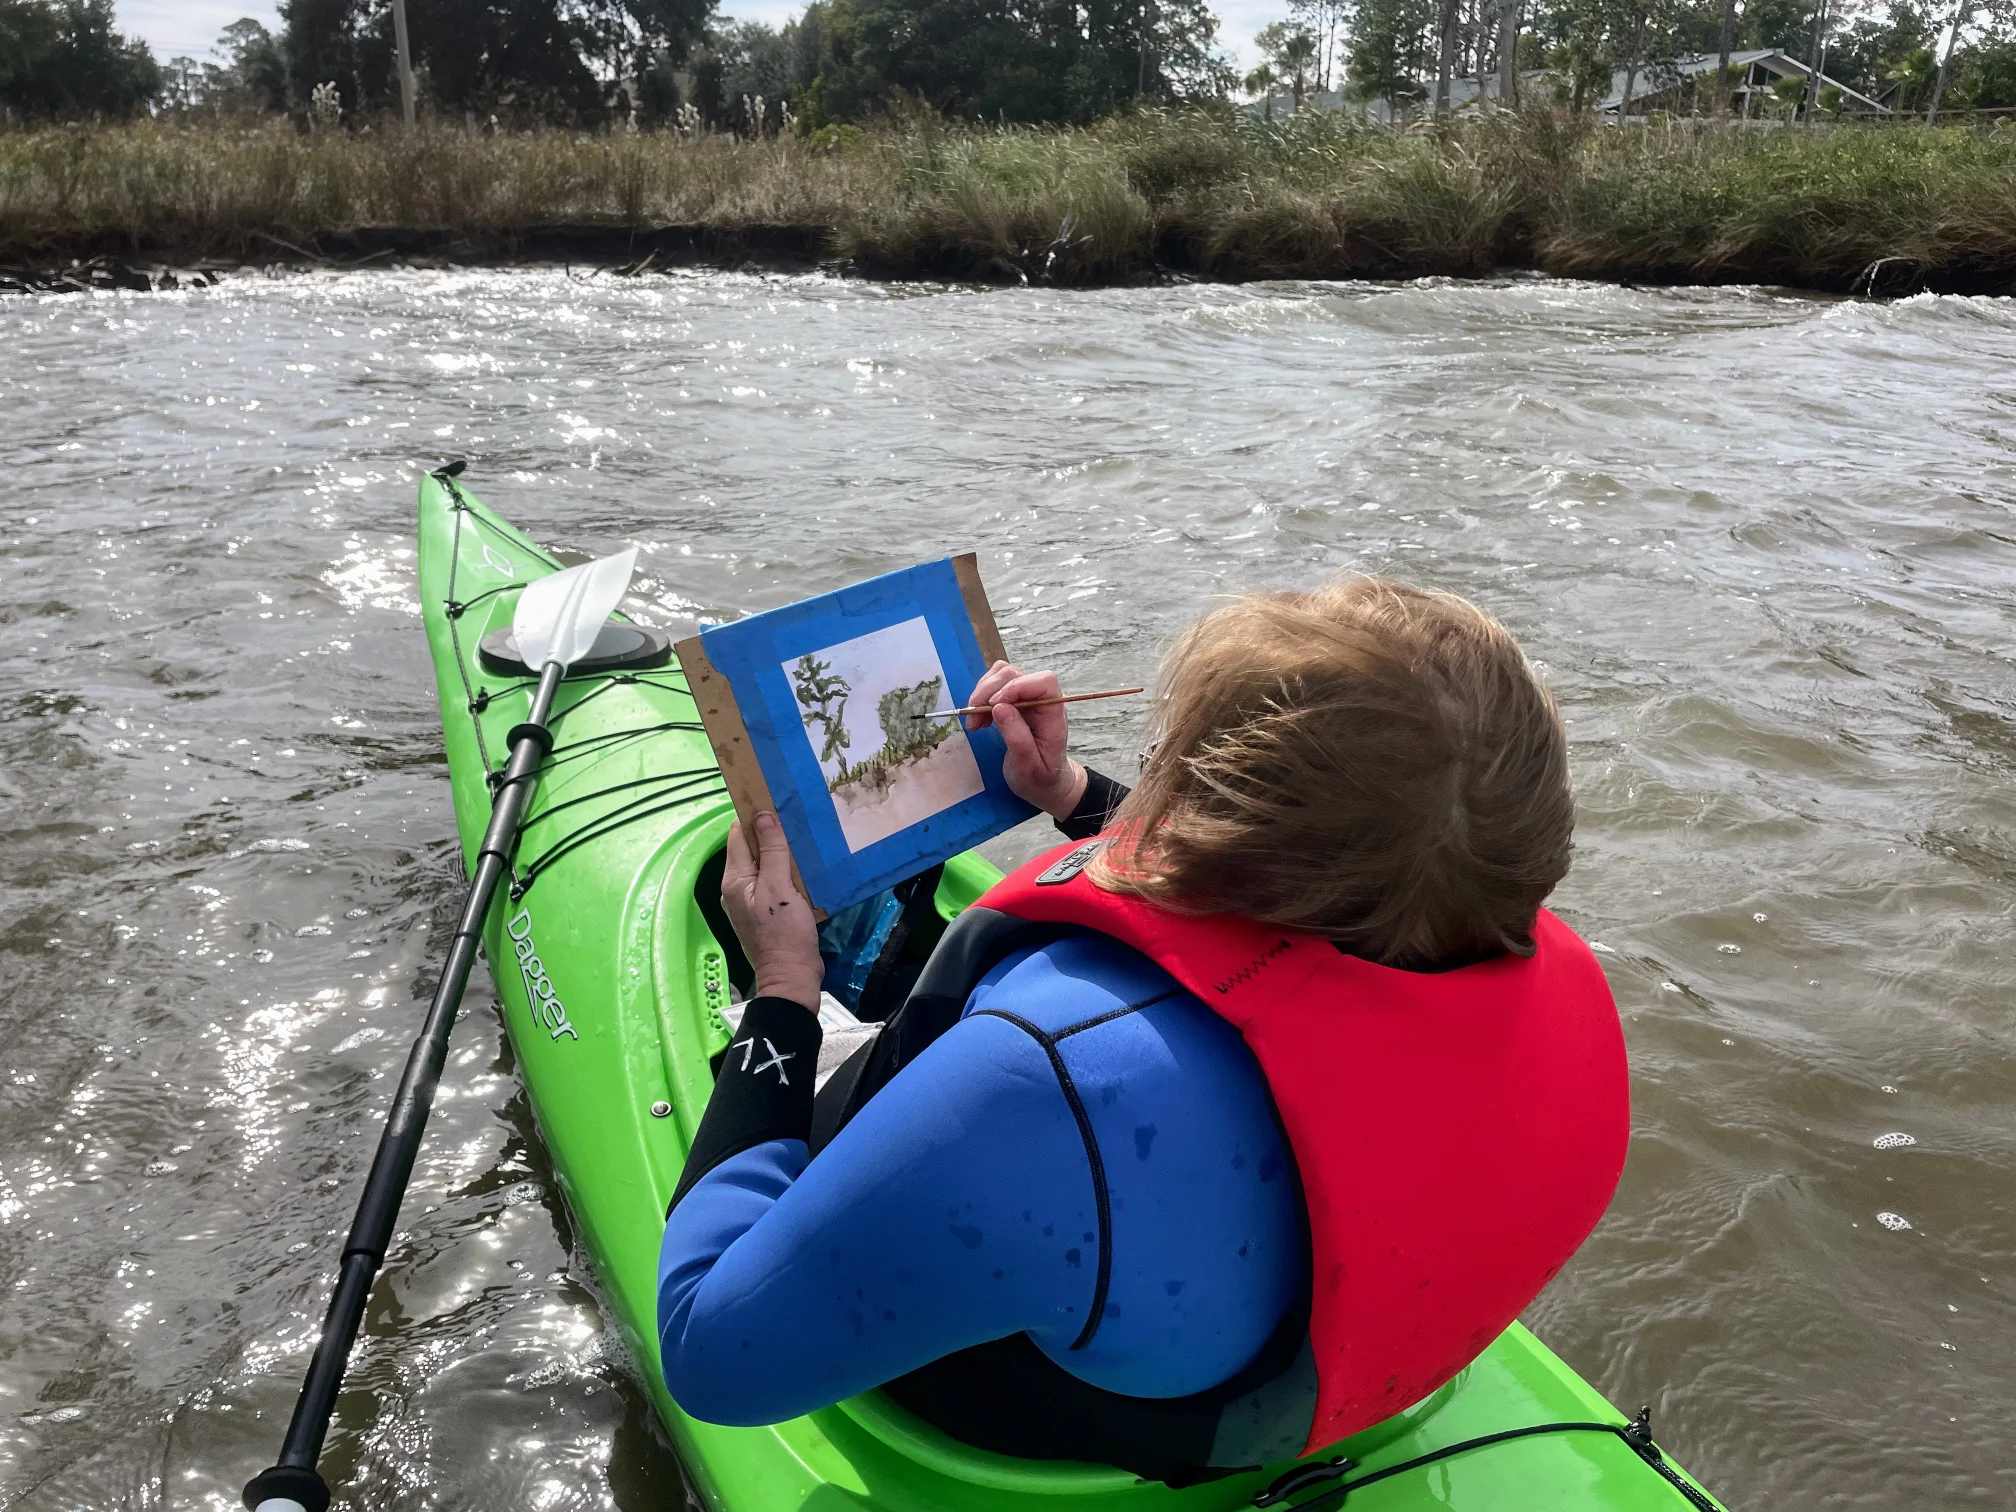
x=556, y=623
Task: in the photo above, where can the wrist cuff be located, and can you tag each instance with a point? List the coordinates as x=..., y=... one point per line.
x=764, y=1090
x=1095, y=808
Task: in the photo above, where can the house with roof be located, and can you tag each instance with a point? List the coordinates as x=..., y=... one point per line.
x=1464, y=94
x=1676, y=85
x=1681, y=85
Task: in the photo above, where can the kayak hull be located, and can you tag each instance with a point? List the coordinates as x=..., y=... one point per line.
x=611, y=984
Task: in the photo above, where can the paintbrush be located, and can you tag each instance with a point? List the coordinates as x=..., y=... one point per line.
x=1034, y=703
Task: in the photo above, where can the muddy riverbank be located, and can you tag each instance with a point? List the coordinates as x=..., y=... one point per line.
x=1156, y=198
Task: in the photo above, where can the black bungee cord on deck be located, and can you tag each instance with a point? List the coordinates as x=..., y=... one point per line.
x=629, y=813
x=563, y=622
x=705, y=779
x=1637, y=1433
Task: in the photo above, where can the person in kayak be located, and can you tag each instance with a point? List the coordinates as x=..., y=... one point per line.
x=1209, y=1141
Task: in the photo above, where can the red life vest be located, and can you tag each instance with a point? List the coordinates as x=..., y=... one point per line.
x=1458, y=1134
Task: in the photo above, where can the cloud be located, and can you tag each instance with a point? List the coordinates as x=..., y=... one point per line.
x=189, y=28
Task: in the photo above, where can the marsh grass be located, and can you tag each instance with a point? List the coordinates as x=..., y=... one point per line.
x=1818, y=210
x=880, y=768
x=1201, y=192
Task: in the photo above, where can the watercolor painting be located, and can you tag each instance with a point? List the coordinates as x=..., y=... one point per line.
x=864, y=705
x=833, y=697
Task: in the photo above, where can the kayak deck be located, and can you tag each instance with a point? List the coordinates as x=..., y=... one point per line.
x=612, y=981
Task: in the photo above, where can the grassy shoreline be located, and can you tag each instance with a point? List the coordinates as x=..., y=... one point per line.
x=1202, y=194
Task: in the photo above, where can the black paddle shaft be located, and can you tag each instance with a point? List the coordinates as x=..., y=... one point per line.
x=294, y=1478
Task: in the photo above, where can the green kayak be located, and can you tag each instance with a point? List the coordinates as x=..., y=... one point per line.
x=612, y=984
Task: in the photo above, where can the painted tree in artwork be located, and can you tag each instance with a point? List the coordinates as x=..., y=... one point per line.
x=905, y=717
x=824, y=700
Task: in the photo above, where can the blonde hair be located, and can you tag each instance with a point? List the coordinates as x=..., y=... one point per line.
x=1371, y=762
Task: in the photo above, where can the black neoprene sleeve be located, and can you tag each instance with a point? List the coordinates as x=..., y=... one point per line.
x=1095, y=807
x=764, y=1091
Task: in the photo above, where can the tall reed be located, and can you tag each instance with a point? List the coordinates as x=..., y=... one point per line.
x=1209, y=192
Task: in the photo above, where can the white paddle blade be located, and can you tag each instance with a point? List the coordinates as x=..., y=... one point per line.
x=559, y=616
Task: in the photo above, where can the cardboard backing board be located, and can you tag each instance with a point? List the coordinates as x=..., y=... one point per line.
x=730, y=738
x=966, y=567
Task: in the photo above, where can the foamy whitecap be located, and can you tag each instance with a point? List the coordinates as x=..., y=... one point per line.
x=1893, y=1141
x=1895, y=1221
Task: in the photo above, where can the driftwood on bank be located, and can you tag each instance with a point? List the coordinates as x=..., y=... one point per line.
x=624, y=251
x=81, y=275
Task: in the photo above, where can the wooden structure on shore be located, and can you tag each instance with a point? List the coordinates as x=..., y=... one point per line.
x=1676, y=84
x=1681, y=86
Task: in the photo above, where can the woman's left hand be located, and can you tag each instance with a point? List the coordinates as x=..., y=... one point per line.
x=771, y=917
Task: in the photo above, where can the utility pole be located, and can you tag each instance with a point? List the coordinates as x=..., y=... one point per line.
x=1939, y=84
x=405, y=58
x=1631, y=70
x=1445, y=54
x=1724, y=89
x=1508, y=54
x=1141, y=70
x=1819, y=57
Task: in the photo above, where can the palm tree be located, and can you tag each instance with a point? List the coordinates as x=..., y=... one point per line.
x=1914, y=73
x=1298, y=54
x=1291, y=51
x=1263, y=81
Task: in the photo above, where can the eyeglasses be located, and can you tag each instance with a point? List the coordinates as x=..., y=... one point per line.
x=1147, y=754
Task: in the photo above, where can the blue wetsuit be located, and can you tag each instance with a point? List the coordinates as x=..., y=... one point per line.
x=958, y=1206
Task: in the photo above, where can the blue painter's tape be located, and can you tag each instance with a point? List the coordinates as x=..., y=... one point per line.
x=751, y=653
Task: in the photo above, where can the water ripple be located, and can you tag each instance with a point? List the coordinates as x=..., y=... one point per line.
x=1760, y=542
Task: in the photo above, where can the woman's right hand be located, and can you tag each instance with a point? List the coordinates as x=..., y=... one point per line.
x=1036, y=768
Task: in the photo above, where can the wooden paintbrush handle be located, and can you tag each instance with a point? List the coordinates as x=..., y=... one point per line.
x=1036, y=703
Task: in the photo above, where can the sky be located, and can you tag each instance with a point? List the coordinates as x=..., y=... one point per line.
x=1237, y=20
x=189, y=28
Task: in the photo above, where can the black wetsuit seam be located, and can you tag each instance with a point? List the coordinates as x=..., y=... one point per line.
x=1118, y=1013
x=1102, y=1203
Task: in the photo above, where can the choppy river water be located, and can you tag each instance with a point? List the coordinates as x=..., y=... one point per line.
x=1764, y=546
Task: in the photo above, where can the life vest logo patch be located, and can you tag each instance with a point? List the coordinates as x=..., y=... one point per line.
x=1253, y=967
x=1069, y=865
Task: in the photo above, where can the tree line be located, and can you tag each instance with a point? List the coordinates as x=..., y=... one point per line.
x=1408, y=51
x=598, y=63
x=62, y=58
x=653, y=63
